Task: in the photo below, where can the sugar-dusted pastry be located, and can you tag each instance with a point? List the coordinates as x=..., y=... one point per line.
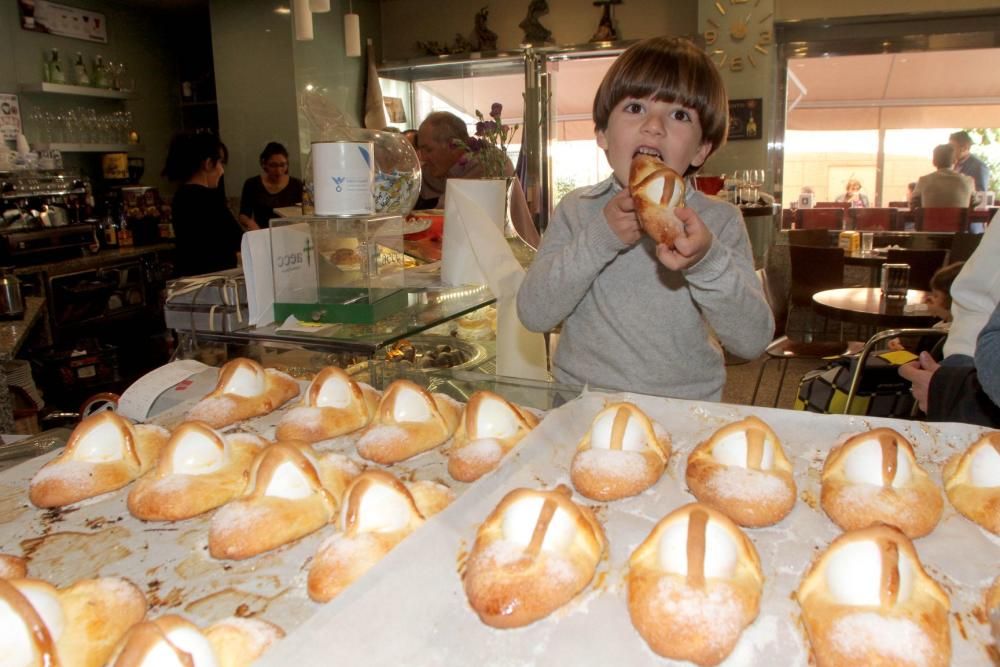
x=173, y=640
x=377, y=513
x=694, y=585
x=333, y=405
x=657, y=191
x=490, y=427
x=743, y=472
x=292, y=492
x=104, y=453
x=77, y=626
x=409, y=421
x=245, y=389
x=867, y=600
x=972, y=482
x=13, y=567
x=430, y=497
x=873, y=478
x=532, y=555
x=622, y=454
x=200, y=469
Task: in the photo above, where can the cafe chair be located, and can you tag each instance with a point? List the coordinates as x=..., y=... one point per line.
x=923, y=264
x=963, y=244
x=818, y=238
x=832, y=204
x=872, y=219
x=819, y=218
x=942, y=219
x=813, y=269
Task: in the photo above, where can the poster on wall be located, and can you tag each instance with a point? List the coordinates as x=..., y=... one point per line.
x=10, y=117
x=56, y=19
x=394, y=107
x=746, y=119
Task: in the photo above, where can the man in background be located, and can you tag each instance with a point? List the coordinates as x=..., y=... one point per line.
x=967, y=163
x=944, y=187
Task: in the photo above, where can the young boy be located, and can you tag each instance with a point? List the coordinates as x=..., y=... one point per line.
x=637, y=316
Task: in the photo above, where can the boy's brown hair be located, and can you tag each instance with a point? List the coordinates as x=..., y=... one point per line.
x=667, y=69
x=944, y=277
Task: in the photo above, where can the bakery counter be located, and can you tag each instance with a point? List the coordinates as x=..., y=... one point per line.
x=14, y=332
x=89, y=262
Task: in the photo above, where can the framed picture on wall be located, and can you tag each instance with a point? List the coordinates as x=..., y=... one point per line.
x=394, y=107
x=746, y=119
x=56, y=19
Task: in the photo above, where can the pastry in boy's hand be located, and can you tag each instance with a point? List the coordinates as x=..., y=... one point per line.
x=656, y=190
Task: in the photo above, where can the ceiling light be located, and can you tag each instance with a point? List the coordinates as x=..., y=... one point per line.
x=283, y=10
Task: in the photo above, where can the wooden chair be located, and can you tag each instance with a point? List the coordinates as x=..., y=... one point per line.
x=923, y=264
x=832, y=204
x=872, y=219
x=819, y=218
x=817, y=238
x=942, y=219
x=963, y=244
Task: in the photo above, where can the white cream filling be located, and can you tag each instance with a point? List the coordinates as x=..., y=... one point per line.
x=720, y=550
x=518, y=525
x=731, y=450
x=335, y=392
x=196, y=453
x=102, y=443
x=381, y=510
x=984, y=468
x=187, y=639
x=410, y=406
x=495, y=419
x=245, y=381
x=633, y=440
x=16, y=643
x=854, y=575
x=288, y=482
x=863, y=464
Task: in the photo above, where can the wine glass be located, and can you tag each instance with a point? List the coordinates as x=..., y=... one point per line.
x=757, y=177
x=742, y=187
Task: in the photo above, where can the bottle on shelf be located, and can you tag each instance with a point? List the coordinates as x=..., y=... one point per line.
x=109, y=230
x=124, y=231
x=80, y=73
x=101, y=78
x=56, y=73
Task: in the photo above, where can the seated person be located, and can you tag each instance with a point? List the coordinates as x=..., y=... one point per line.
x=442, y=139
x=944, y=187
x=274, y=189
x=938, y=300
x=854, y=196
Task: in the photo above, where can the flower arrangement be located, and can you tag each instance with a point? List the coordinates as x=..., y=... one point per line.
x=489, y=145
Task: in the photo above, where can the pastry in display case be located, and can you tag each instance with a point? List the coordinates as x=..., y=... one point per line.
x=972, y=482
x=13, y=567
x=490, y=427
x=333, y=404
x=245, y=389
x=409, y=421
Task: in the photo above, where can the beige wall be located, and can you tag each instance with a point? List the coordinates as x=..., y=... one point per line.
x=785, y=10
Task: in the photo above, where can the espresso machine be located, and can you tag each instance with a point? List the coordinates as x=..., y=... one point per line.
x=46, y=216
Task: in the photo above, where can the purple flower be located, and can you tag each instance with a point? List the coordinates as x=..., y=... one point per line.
x=480, y=128
x=489, y=127
x=496, y=110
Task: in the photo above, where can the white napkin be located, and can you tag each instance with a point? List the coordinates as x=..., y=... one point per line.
x=474, y=245
x=255, y=249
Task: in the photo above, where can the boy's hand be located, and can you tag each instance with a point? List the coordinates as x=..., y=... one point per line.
x=919, y=373
x=689, y=246
x=620, y=214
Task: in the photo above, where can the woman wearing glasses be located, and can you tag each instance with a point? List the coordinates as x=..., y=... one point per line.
x=274, y=189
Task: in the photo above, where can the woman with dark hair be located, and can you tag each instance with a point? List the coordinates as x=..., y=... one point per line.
x=274, y=189
x=207, y=234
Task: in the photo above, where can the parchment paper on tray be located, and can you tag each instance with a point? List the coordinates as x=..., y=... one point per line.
x=411, y=609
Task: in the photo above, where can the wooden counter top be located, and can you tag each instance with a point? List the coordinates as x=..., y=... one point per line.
x=103, y=258
x=14, y=332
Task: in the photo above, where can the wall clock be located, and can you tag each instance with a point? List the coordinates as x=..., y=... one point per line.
x=735, y=36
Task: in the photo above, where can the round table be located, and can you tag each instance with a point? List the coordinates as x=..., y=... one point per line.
x=867, y=306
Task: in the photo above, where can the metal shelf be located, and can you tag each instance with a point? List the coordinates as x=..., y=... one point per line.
x=88, y=148
x=66, y=89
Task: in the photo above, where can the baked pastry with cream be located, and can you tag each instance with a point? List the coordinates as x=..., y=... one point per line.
x=292, y=492
x=200, y=469
x=873, y=478
x=867, y=600
x=13, y=567
x=334, y=404
x=490, y=427
x=377, y=513
x=623, y=454
x=77, y=626
x=409, y=421
x=245, y=389
x=972, y=482
x=173, y=640
x=657, y=190
x=743, y=472
x=532, y=555
x=104, y=453
x=694, y=585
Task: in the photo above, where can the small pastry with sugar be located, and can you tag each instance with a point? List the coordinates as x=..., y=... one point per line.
x=694, y=585
x=430, y=497
x=104, y=453
x=77, y=626
x=292, y=492
x=173, y=640
x=874, y=478
x=13, y=567
x=409, y=421
x=743, y=472
x=657, y=191
x=200, y=469
x=490, y=427
x=333, y=405
x=532, y=555
x=377, y=514
x=867, y=600
x=623, y=454
x=972, y=482
x=245, y=389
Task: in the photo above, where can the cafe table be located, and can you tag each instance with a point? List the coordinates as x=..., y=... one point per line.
x=867, y=307
x=873, y=261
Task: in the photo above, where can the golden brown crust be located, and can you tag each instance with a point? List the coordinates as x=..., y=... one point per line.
x=166, y=494
x=696, y=615
x=13, y=567
x=468, y=465
x=897, y=630
x=914, y=507
x=87, y=467
x=511, y=583
x=311, y=421
x=238, y=642
x=750, y=496
x=980, y=504
x=389, y=441
x=222, y=407
x=654, y=206
x=606, y=471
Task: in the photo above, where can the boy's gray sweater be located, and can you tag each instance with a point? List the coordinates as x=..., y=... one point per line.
x=629, y=323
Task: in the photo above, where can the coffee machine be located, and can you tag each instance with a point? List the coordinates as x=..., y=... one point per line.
x=46, y=216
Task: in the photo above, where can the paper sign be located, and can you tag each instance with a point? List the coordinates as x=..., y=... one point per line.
x=10, y=117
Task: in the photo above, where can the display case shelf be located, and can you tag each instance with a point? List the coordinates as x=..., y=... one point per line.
x=67, y=89
x=87, y=148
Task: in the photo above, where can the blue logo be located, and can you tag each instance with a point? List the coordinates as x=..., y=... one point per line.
x=338, y=181
x=364, y=154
